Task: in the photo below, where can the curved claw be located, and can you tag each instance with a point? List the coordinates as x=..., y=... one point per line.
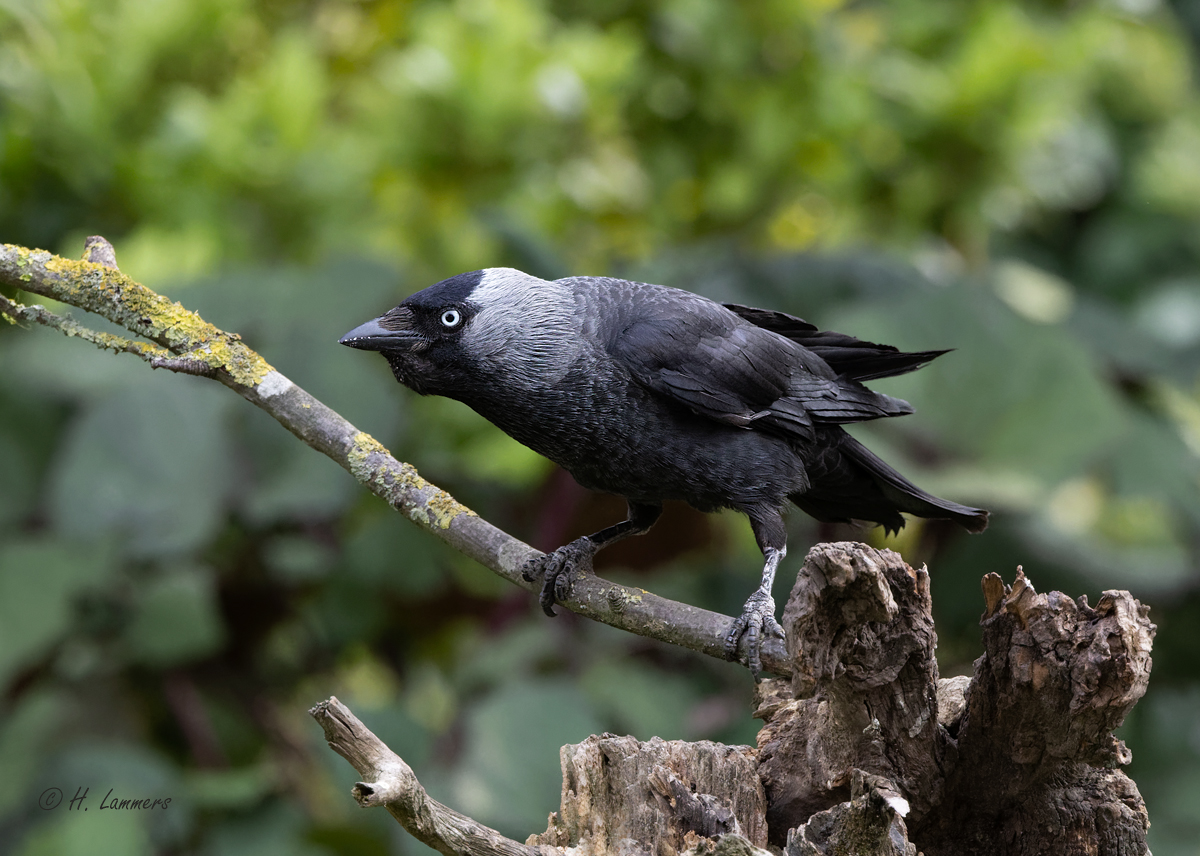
x=556, y=569
x=756, y=621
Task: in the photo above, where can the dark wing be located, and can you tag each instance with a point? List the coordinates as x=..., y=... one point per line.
x=847, y=356
x=710, y=360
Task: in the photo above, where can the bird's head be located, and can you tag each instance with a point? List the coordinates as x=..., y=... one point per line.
x=465, y=331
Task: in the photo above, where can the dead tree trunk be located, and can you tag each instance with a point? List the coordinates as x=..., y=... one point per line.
x=864, y=750
x=1020, y=760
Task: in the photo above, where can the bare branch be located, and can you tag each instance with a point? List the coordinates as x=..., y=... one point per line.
x=180, y=340
x=392, y=784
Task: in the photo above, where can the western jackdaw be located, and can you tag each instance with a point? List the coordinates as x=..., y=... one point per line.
x=654, y=393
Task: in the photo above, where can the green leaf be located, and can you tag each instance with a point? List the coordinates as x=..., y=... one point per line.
x=509, y=776
x=237, y=788
x=645, y=702
x=177, y=620
x=24, y=738
x=152, y=461
x=1013, y=394
x=76, y=833
x=277, y=829
x=117, y=770
x=38, y=582
x=391, y=554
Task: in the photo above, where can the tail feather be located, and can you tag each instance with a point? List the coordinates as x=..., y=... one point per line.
x=861, y=486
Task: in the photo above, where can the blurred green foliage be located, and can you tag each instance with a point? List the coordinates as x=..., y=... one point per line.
x=180, y=579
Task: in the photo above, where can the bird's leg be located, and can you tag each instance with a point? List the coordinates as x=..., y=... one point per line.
x=758, y=616
x=758, y=613
x=556, y=567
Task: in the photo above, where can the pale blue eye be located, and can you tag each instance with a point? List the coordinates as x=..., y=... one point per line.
x=451, y=318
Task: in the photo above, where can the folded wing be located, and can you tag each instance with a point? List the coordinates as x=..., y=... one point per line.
x=723, y=365
x=849, y=357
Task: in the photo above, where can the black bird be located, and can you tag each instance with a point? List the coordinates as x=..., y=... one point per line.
x=654, y=393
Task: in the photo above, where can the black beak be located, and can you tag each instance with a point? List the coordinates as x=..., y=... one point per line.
x=374, y=336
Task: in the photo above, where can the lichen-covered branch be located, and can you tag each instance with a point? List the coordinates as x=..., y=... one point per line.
x=18, y=313
x=177, y=339
x=391, y=783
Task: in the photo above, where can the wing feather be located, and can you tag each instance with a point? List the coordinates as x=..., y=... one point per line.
x=719, y=365
x=849, y=357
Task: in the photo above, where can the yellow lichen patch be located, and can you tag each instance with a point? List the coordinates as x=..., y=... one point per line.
x=434, y=508
x=444, y=509
x=378, y=478
x=145, y=349
x=362, y=446
x=242, y=364
x=112, y=294
x=248, y=368
x=104, y=340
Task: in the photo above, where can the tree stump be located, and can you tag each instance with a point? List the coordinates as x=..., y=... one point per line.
x=656, y=797
x=863, y=749
x=1020, y=759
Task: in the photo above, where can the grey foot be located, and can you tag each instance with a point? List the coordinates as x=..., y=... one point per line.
x=757, y=619
x=556, y=569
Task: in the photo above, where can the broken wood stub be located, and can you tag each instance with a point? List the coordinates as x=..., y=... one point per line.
x=860, y=634
x=870, y=823
x=658, y=797
x=865, y=750
x=391, y=783
x=1035, y=756
x=1049, y=655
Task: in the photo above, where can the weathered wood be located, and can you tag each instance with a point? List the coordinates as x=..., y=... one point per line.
x=1018, y=760
x=391, y=783
x=658, y=797
x=864, y=683
x=1034, y=760
x=869, y=824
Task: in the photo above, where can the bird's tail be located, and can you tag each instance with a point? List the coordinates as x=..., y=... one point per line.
x=860, y=486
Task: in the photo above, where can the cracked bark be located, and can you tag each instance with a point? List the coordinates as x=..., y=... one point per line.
x=655, y=797
x=1018, y=760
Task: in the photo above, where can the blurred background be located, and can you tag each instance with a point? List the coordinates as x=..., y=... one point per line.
x=180, y=579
